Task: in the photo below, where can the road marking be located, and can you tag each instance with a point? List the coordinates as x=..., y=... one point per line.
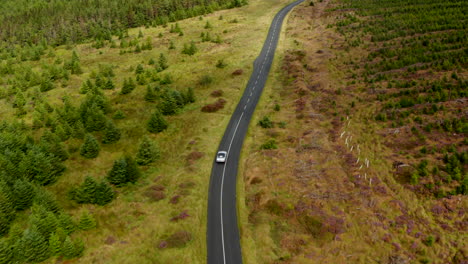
x=248, y=100
x=222, y=185
x=250, y=93
x=245, y=106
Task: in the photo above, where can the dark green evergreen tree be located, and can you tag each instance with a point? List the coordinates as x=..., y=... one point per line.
x=90, y=148
x=6, y=252
x=45, y=222
x=7, y=213
x=66, y=223
x=118, y=115
x=128, y=86
x=118, y=174
x=55, y=245
x=46, y=199
x=96, y=120
x=190, y=49
x=148, y=151
x=61, y=133
x=23, y=193
x=78, y=130
x=133, y=172
x=111, y=133
x=150, y=95
x=87, y=221
x=156, y=123
x=104, y=193
x=68, y=248
x=171, y=45
x=46, y=85
x=109, y=85
x=139, y=69
x=189, y=96
x=168, y=105
x=34, y=246
x=163, y=61
x=86, y=192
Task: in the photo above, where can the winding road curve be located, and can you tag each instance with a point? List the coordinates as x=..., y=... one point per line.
x=223, y=242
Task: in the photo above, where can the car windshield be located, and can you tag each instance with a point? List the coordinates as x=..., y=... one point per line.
x=221, y=155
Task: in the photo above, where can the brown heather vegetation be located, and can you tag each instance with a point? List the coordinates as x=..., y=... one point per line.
x=338, y=188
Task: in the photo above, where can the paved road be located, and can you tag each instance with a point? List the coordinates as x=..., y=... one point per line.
x=223, y=240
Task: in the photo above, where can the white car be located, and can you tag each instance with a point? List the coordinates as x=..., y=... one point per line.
x=221, y=156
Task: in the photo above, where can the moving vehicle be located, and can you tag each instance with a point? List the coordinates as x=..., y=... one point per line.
x=221, y=156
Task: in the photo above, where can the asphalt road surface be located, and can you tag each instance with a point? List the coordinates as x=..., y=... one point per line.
x=223, y=242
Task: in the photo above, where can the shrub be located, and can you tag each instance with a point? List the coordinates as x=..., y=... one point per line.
x=270, y=144
x=265, y=122
x=221, y=64
x=205, y=80
x=429, y=241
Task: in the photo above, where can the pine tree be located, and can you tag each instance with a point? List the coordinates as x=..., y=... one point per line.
x=150, y=95
x=90, y=148
x=157, y=123
x=23, y=193
x=87, y=221
x=46, y=199
x=68, y=248
x=55, y=246
x=148, y=152
x=104, y=194
x=34, y=246
x=190, y=49
x=118, y=115
x=45, y=222
x=99, y=82
x=95, y=120
x=208, y=25
x=172, y=45
x=78, y=130
x=6, y=252
x=189, y=96
x=133, y=172
x=4, y=224
x=139, y=69
x=60, y=132
x=46, y=85
x=118, y=174
x=86, y=192
x=66, y=223
x=168, y=106
x=111, y=133
x=128, y=86
x=140, y=34
x=109, y=85
x=163, y=61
